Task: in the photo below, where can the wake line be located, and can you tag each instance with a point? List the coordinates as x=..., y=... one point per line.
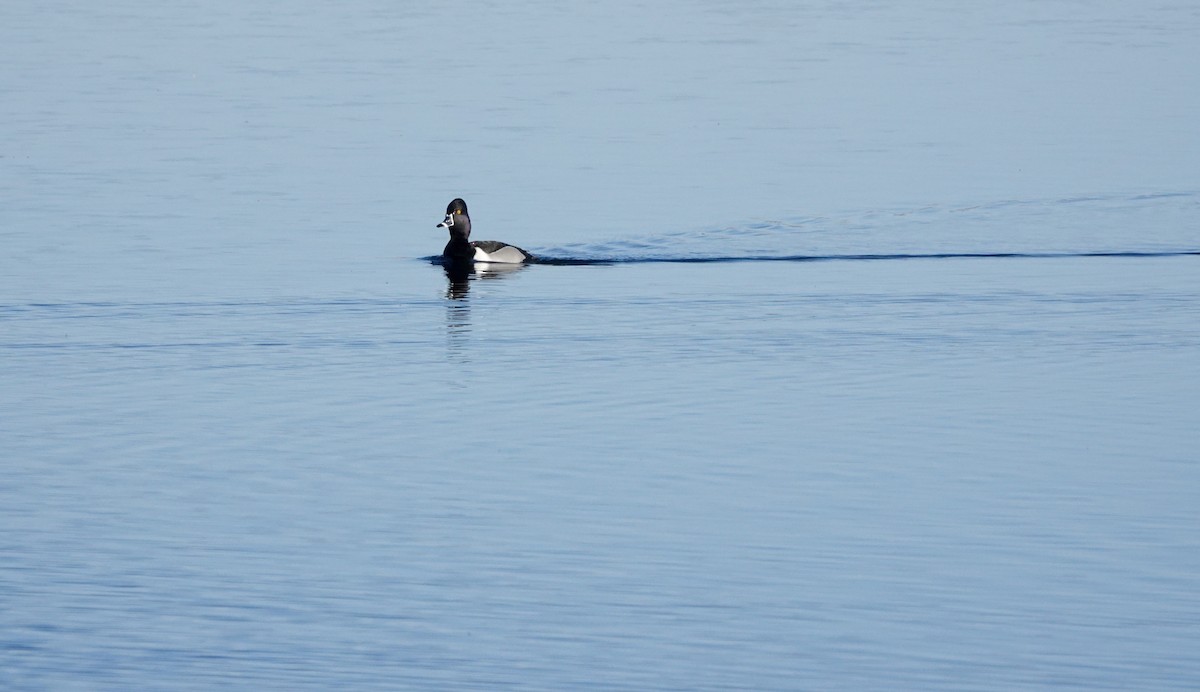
x=599, y=261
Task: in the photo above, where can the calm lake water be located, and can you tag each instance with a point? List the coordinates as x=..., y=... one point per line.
x=871, y=359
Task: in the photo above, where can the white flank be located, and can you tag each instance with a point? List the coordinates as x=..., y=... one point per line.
x=507, y=255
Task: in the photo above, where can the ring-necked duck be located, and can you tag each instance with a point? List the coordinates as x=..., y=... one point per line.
x=462, y=249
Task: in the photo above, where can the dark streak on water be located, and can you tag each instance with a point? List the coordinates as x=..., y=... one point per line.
x=594, y=261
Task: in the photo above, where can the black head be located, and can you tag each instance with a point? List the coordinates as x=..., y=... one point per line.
x=457, y=221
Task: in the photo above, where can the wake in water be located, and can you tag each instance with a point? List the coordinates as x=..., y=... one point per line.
x=1142, y=226
x=602, y=261
x=568, y=261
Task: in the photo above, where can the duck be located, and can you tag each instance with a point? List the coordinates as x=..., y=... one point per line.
x=461, y=249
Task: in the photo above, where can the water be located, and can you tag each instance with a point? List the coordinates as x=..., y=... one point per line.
x=869, y=360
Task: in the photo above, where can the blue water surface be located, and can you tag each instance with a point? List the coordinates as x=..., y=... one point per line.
x=865, y=355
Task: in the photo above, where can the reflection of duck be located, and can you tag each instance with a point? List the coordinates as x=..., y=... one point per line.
x=459, y=278
x=461, y=250
x=459, y=275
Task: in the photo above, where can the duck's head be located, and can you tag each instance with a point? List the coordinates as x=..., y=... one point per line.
x=457, y=221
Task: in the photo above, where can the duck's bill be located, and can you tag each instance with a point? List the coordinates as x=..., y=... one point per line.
x=447, y=223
